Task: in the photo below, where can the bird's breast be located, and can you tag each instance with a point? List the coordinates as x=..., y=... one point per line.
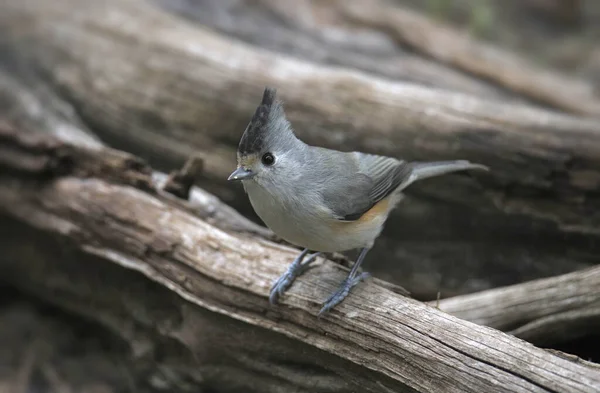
x=302, y=220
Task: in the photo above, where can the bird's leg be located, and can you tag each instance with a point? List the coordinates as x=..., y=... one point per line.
x=344, y=289
x=297, y=268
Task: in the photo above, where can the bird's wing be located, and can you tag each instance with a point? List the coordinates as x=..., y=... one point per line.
x=368, y=181
x=365, y=179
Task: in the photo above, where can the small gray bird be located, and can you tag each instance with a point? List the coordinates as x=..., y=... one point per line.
x=320, y=199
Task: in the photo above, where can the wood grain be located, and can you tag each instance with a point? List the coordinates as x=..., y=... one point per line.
x=105, y=229
x=145, y=80
x=542, y=311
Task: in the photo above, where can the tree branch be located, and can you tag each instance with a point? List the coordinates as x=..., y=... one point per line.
x=546, y=310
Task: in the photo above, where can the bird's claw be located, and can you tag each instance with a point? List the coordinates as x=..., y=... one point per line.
x=280, y=286
x=343, y=291
x=296, y=269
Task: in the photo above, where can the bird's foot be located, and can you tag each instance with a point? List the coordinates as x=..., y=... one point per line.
x=343, y=291
x=296, y=269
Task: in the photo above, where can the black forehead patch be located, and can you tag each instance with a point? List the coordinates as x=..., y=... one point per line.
x=253, y=139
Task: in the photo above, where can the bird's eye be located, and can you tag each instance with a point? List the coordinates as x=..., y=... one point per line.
x=268, y=159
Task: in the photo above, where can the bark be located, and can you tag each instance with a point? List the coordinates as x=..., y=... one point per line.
x=544, y=311
x=320, y=32
x=457, y=49
x=146, y=81
x=191, y=299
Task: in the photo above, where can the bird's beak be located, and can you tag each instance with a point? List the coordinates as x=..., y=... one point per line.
x=241, y=173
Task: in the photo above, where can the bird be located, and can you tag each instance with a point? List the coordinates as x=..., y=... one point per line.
x=319, y=199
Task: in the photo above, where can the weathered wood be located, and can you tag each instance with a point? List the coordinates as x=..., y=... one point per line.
x=208, y=284
x=146, y=81
x=543, y=311
x=180, y=182
x=319, y=32
x=29, y=103
x=464, y=52
x=49, y=154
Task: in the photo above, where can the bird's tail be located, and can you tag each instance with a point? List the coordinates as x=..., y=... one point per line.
x=426, y=170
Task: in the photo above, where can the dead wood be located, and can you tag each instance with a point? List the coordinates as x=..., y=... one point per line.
x=464, y=52
x=49, y=156
x=192, y=299
x=180, y=182
x=319, y=32
x=153, y=84
x=543, y=311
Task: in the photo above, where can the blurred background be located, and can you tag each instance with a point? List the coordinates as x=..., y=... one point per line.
x=512, y=84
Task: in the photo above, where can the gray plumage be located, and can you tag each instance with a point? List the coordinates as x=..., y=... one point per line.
x=349, y=183
x=308, y=185
x=372, y=178
x=317, y=198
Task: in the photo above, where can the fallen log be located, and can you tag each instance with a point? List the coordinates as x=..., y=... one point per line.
x=191, y=299
x=543, y=311
x=318, y=31
x=146, y=81
x=464, y=52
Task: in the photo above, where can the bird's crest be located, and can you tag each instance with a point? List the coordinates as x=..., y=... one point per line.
x=256, y=132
